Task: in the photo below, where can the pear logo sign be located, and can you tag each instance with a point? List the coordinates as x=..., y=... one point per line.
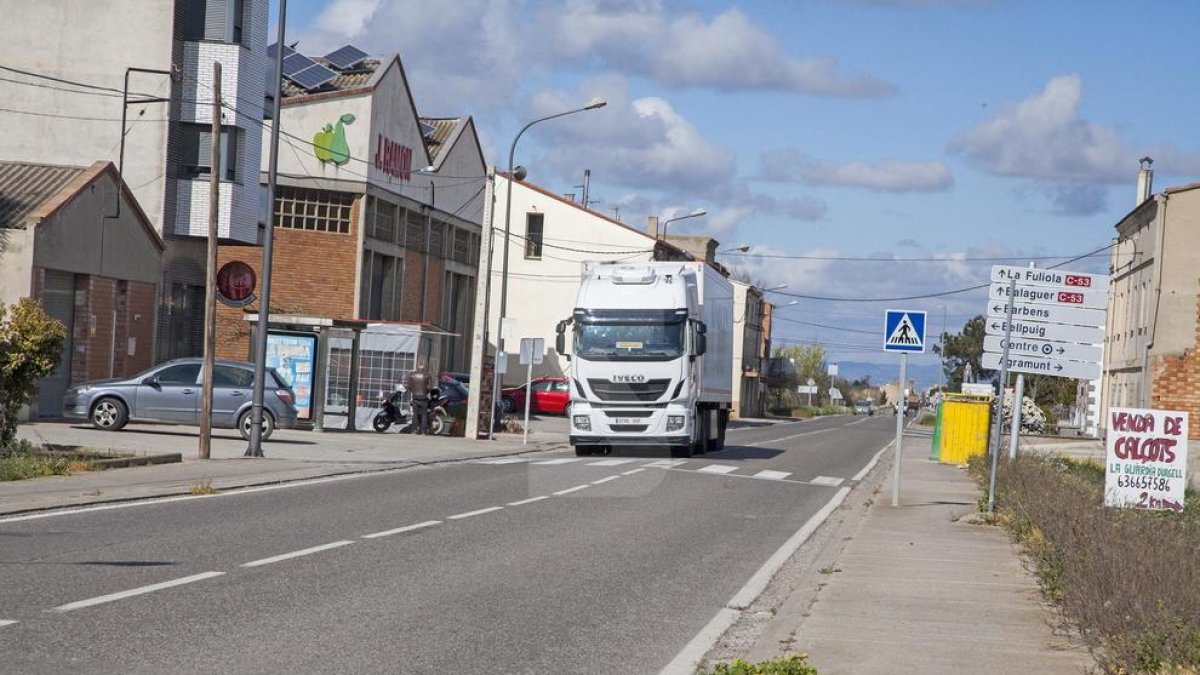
x=904, y=331
x=329, y=144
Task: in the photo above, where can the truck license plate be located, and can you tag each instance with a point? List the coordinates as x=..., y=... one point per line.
x=628, y=420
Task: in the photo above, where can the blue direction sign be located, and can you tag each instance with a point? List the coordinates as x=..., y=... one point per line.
x=904, y=331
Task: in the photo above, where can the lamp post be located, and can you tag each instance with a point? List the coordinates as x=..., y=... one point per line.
x=512, y=151
x=693, y=214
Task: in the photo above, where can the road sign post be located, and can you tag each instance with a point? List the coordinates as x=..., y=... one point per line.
x=995, y=445
x=531, y=353
x=904, y=332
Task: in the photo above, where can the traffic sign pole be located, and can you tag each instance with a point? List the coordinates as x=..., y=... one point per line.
x=900, y=409
x=1018, y=406
x=991, y=507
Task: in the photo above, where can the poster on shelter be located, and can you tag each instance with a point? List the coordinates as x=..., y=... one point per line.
x=292, y=355
x=1147, y=459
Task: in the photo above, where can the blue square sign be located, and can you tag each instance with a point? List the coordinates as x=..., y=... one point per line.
x=904, y=331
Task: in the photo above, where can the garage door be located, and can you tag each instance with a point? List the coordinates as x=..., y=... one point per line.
x=58, y=299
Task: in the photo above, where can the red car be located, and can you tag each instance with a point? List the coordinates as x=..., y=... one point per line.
x=550, y=395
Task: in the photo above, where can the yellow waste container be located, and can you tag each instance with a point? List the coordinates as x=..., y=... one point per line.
x=965, y=420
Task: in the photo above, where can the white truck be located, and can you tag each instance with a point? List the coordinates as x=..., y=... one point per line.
x=651, y=357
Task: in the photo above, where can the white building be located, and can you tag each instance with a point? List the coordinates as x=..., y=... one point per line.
x=76, y=71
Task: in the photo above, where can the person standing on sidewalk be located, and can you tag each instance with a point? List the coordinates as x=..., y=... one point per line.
x=419, y=386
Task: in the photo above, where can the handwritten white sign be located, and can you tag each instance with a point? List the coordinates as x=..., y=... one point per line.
x=1147, y=459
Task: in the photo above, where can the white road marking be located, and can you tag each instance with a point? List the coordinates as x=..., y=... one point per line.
x=633, y=471
x=788, y=438
x=502, y=460
x=100, y=600
x=604, y=480
x=529, y=501
x=772, y=475
x=685, y=661
x=667, y=463
x=574, y=489
x=295, y=554
x=560, y=460
x=406, y=528
x=717, y=468
x=827, y=480
x=468, y=514
x=611, y=462
x=871, y=464
x=6, y=622
x=858, y=422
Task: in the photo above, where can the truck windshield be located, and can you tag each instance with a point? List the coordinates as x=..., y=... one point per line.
x=629, y=341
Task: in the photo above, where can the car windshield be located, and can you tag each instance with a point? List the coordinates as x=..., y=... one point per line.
x=616, y=341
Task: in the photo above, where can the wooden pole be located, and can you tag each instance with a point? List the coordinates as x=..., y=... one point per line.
x=210, y=286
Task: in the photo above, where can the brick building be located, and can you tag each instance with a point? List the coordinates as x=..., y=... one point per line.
x=1152, y=341
x=377, y=211
x=95, y=266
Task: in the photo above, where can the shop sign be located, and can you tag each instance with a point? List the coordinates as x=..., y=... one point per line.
x=1146, y=465
x=393, y=159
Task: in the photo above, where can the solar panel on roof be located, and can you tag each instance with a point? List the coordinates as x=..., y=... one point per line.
x=427, y=130
x=286, y=50
x=312, y=77
x=346, y=58
x=294, y=63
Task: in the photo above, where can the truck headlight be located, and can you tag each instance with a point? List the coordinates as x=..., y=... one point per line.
x=582, y=422
x=674, y=422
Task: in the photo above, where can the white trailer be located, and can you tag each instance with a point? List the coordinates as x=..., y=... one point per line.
x=651, y=357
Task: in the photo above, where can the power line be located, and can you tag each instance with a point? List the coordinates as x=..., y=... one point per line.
x=837, y=258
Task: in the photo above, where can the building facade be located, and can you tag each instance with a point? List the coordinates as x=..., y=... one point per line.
x=94, y=267
x=1151, y=358
x=147, y=66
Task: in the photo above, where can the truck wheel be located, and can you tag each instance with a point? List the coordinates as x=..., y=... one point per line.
x=703, y=428
x=582, y=451
x=722, y=423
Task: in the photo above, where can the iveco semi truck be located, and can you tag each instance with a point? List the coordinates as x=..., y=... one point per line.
x=651, y=357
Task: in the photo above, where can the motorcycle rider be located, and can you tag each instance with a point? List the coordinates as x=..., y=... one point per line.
x=419, y=385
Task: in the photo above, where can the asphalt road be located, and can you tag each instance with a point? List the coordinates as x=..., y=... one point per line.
x=538, y=564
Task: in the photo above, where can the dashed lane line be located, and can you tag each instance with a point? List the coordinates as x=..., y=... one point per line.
x=478, y=512
x=717, y=468
x=633, y=471
x=6, y=622
x=529, y=501
x=788, y=438
x=400, y=530
x=296, y=554
x=604, y=480
x=577, y=488
x=772, y=475
x=111, y=597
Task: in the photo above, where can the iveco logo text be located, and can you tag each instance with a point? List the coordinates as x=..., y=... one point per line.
x=628, y=378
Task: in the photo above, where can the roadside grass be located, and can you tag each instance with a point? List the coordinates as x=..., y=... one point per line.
x=22, y=460
x=927, y=419
x=205, y=488
x=794, y=664
x=1125, y=579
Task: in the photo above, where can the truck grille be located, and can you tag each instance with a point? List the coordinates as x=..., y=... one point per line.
x=650, y=390
x=629, y=428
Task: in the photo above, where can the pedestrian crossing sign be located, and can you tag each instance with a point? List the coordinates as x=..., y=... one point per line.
x=904, y=331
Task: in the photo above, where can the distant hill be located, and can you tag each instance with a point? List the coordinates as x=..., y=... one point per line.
x=882, y=373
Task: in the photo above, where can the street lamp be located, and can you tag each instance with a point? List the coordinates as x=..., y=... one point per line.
x=512, y=150
x=693, y=214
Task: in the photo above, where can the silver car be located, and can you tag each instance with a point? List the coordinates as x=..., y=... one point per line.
x=170, y=392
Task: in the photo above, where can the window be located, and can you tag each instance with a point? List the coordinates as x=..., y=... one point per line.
x=534, y=230
x=382, y=219
x=229, y=376
x=195, y=151
x=382, y=276
x=184, y=373
x=319, y=210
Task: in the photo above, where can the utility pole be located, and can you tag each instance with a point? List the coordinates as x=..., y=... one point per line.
x=210, y=284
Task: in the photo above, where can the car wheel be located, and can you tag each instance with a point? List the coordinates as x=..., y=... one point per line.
x=508, y=404
x=246, y=421
x=109, y=414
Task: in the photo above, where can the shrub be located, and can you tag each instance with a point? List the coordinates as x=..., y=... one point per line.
x=21, y=460
x=30, y=348
x=1125, y=578
x=795, y=664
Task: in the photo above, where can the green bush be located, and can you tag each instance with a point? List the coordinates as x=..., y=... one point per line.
x=30, y=348
x=796, y=664
x=21, y=460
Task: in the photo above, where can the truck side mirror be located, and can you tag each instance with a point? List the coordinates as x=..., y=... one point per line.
x=701, y=338
x=560, y=340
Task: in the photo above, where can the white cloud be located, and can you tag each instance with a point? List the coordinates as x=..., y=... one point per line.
x=346, y=18
x=789, y=164
x=1043, y=137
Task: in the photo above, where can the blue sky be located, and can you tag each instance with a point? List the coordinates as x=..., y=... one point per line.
x=944, y=130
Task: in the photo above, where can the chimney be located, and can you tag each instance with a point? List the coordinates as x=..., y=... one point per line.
x=1145, y=183
x=652, y=226
x=569, y=196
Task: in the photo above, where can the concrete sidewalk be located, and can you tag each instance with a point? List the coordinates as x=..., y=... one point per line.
x=920, y=589
x=290, y=455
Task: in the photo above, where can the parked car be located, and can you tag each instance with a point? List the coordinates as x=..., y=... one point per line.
x=550, y=395
x=864, y=408
x=170, y=392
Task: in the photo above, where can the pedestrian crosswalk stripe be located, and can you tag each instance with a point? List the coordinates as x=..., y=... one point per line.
x=611, y=462
x=827, y=480
x=772, y=475
x=718, y=468
x=667, y=463
x=560, y=460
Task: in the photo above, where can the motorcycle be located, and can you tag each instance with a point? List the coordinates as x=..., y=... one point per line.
x=394, y=410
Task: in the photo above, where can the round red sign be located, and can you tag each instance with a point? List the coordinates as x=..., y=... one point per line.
x=236, y=281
